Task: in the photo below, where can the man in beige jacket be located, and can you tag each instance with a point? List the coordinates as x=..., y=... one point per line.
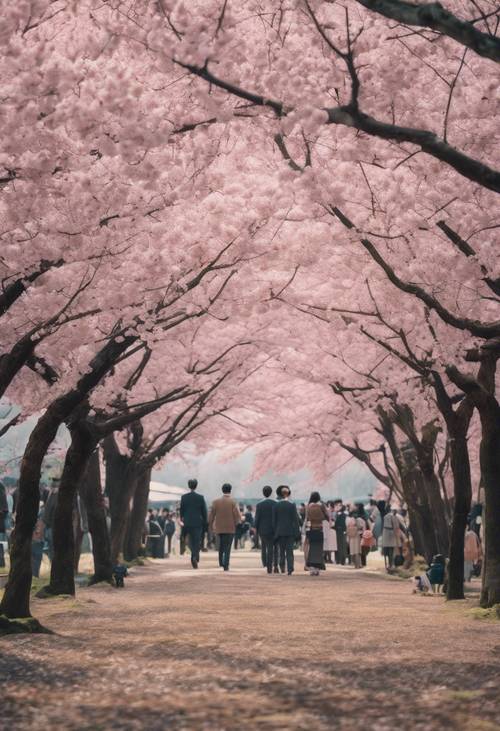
x=223, y=519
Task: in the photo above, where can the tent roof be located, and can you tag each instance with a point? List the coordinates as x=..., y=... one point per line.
x=160, y=492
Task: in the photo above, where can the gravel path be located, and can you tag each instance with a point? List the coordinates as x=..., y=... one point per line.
x=204, y=649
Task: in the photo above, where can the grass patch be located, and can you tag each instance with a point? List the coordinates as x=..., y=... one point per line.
x=28, y=625
x=464, y=695
x=492, y=613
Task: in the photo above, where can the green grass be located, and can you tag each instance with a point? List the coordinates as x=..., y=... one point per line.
x=492, y=613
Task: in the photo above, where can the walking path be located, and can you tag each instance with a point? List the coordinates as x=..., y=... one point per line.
x=205, y=649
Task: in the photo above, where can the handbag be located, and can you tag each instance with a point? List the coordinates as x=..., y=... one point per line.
x=399, y=559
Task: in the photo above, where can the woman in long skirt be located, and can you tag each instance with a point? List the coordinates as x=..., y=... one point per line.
x=316, y=513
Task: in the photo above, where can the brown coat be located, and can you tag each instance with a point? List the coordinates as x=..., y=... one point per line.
x=316, y=513
x=224, y=515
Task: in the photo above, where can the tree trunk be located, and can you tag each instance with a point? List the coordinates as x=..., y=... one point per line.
x=138, y=515
x=490, y=472
x=462, y=488
x=120, y=514
x=435, y=499
x=62, y=574
x=122, y=471
x=16, y=599
x=416, y=530
x=416, y=495
x=91, y=494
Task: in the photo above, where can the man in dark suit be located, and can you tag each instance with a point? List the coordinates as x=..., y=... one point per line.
x=194, y=516
x=264, y=525
x=286, y=529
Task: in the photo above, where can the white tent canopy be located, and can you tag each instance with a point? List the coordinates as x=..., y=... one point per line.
x=160, y=492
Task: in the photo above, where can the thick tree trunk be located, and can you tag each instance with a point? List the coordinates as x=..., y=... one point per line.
x=93, y=499
x=490, y=471
x=462, y=487
x=16, y=599
x=122, y=472
x=120, y=514
x=421, y=530
x=416, y=496
x=62, y=574
x=138, y=515
x=436, y=504
x=15, y=602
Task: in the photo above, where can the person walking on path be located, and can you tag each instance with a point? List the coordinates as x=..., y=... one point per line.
x=316, y=517
x=223, y=520
x=264, y=524
x=287, y=529
x=193, y=514
x=472, y=553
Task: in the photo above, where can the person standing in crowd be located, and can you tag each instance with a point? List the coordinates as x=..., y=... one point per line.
x=155, y=535
x=4, y=514
x=162, y=517
x=287, y=529
x=354, y=530
x=472, y=552
x=49, y=512
x=368, y=541
x=390, y=538
x=316, y=518
x=223, y=520
x=37, y=541
x=340, y=516
x=329, y=534
x=264, y=526
x=169, y=532
x=193, y=514
x=375, y=518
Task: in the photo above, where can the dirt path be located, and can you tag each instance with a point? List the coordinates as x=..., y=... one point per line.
x=202, y=649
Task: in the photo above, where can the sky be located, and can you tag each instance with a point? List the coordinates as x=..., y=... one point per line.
x=350, y=481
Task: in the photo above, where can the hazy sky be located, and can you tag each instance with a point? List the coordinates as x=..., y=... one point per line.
x=352, y=480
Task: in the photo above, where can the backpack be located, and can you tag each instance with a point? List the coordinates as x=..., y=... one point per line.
x=367, y=538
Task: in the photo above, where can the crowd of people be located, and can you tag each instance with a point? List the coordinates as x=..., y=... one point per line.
x=330, y=532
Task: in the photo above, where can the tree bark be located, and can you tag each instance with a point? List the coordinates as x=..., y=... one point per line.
x=138, y=515
x=120, y=513
x=417, y=497
x=16, y=598
x=462, y=488
x=62, y=574
x=490, y=471
x=93, y=499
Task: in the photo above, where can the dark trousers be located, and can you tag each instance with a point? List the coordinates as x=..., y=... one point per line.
x=341, y=552
x=365, y=550
x=194, y=534
x=285, y=544
x=169, y=544
x=225, y=543
x=268, y=552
